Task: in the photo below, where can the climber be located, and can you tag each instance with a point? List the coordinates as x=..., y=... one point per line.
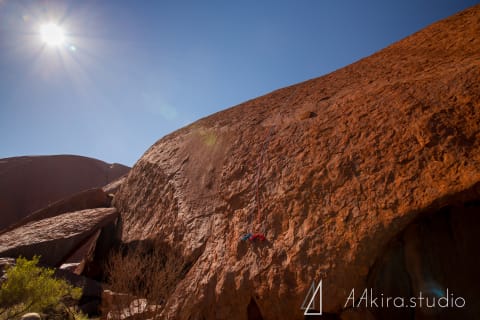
x=258, y=236
x=253, y=237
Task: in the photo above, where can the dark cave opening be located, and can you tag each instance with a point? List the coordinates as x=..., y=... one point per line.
x=253, y=311
x=435, y=256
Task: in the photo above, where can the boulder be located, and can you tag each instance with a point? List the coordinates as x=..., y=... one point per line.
x=4, y=264
x=56, y=238
x=330, y=171
x=136, y=309
x=31, y=183
x=114, y=302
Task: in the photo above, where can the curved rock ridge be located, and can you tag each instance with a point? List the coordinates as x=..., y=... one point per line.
x=343, y=162
x=88, y=199
x=55, y=238
x=31, y=183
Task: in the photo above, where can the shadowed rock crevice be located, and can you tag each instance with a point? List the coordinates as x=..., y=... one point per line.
x=93, y=252
x=436, y=252
x=253, y=312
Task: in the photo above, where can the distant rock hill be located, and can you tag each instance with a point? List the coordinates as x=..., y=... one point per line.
x=30, y=183
x=358, y=178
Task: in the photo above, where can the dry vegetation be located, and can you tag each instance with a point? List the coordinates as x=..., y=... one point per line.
x=141, y=276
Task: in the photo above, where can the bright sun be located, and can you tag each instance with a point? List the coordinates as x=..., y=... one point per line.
x=52, y=34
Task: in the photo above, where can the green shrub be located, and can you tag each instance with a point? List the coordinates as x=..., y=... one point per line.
x=30, y=288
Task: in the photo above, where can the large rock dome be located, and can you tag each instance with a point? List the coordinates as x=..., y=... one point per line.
x=348, y=166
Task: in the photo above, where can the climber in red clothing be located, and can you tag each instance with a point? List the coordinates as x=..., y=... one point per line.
x=253, y=237
x=258, y=236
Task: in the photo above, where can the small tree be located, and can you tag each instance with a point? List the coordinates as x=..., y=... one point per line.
x=30, y=288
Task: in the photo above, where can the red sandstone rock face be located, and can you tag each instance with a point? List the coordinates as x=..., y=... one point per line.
x=32, y=183
x=56, y=238
x=352, y=158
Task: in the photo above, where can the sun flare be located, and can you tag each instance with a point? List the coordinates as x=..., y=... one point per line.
x=52, y=34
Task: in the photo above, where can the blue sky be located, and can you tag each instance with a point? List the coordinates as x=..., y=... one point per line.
x=131, y=72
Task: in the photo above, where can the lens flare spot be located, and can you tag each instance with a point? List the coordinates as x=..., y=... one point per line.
x=52, y=34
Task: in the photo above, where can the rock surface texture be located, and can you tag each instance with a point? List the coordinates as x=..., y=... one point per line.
x=55, y=239
x=344, y=163
x=31, y=183
x=113, y=186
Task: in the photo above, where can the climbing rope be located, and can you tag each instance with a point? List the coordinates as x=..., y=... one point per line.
x=259, y=173
x=259, y=236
